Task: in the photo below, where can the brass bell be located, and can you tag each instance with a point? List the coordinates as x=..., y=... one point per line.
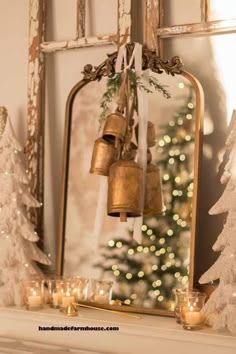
x=104, y=154
x=153, y=201
x=115, y=128
x=125, y=190
x=71, y=310
x=151, y=134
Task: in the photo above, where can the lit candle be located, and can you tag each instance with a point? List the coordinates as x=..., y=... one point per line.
x=67, y=300
x=34, y=301
x=101, y=298
x=56, y=299
x=193, y=317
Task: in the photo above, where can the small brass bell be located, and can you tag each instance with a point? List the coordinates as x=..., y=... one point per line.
x=125, y=190
x=153, y=202
x=151, y=134
x=115, y=128
x=104, y=154
x=71, y=310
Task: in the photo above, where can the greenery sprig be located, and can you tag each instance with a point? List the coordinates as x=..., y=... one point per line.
x=113, y=86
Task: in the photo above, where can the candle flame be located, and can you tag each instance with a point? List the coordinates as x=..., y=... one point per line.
x=191, y=308
x=67, y=293
x=34, y=293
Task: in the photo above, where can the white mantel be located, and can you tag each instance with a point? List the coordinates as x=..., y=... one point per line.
x=147, y=335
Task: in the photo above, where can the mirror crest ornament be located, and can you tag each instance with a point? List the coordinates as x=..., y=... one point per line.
x=159, y=66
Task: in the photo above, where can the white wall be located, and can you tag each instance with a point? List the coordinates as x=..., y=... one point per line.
x=13, y=61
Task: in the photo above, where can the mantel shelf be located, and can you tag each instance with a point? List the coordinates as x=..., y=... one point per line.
x=149, y=334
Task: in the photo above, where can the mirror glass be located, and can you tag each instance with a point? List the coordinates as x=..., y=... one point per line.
x=144, y=274
x=217, y=75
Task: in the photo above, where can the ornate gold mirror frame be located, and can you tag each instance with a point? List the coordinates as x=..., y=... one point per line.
x=149, y=61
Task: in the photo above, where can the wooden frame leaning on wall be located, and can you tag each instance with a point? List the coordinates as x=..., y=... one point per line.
x=38, y=48
x=154, y=34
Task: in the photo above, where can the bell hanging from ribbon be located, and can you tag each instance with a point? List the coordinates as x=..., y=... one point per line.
x=151, y=134
x=115, y=128
x=125, y=190
x=104, y=155
x=153, y=201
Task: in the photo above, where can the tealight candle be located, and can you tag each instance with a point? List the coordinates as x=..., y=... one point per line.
x=34, y=301
x=180, y=299
x=101, y=298
x=56, y=299
x=190, y=311
x=67, y=300
x=101, y=291
x=193, y=317
x=34, y=295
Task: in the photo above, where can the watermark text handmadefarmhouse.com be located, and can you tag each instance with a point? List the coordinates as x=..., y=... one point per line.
x=74, y=328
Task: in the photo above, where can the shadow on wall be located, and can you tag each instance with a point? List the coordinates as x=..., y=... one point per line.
x=200, y=61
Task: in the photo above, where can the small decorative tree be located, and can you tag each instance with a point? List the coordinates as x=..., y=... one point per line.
x=220, y=310
x=18, y=250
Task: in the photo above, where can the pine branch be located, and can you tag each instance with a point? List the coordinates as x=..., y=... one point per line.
x=159, y=87
x=113, y=86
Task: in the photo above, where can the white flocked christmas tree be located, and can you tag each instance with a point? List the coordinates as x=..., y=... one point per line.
x=220, y=310
x=18, y=249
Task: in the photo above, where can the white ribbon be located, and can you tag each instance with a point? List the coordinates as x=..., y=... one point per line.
x=136, y=57
x=142, y=136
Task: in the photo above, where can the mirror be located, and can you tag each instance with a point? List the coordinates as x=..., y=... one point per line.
x=144, y=274
x=218, y=79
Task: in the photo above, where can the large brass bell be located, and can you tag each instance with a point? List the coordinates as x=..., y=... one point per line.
x=104, y=154
x=151, y=134
x=115, y=128
x=125, y=190
x=153, y=201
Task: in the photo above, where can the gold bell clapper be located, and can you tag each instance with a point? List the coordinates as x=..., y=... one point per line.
x=125, y=190
x=115, y=128
x=153, y=201
x=151, y=134
x=104, y=155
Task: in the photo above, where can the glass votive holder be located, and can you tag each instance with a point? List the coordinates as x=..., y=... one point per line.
x=190, y=311
x=180, y=297
x=67, y=293
x=46, y=290
x=56, y=288
x=80, y=289
x=34, y=296
x=101, y=291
